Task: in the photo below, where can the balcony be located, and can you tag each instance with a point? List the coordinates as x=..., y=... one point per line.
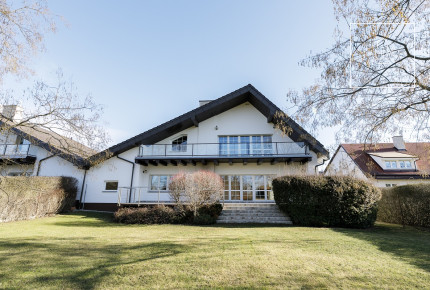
x=261, y=152
x=16, y=154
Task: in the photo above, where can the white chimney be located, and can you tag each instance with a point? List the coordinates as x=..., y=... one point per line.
x=399, y=143
x=204, y=102
x=12, y=112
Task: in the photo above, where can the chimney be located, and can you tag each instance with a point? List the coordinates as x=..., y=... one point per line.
x=12, y=112
x=204, y=102
x=399, y=143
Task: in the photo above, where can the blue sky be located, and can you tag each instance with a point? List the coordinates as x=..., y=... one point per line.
x=150, y=61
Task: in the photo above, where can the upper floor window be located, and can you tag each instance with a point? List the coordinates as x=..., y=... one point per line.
x=398, y=164
x=245, y=145
x=180, y=144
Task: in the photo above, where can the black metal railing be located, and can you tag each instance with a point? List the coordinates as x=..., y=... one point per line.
x=14, y=149
x=225, y=149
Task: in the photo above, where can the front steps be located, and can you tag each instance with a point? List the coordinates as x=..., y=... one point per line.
x=261, y=213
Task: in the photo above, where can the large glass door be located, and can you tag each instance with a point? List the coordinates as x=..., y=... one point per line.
x=247, y=187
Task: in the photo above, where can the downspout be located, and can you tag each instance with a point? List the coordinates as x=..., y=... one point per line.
x=316, y=169
x=82, y=189
x=40, y=162
x=132, y=174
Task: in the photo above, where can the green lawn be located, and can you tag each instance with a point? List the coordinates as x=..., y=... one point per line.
x=86, y=250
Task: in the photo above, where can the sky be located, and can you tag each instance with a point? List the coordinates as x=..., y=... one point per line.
x=147, y=62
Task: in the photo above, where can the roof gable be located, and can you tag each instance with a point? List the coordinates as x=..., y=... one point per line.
x=194, y=117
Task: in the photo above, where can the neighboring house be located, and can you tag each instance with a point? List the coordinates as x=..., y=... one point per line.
x=32, y=151
x=234, y=136
x=383, y=164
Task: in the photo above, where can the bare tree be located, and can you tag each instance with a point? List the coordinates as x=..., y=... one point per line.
x=22, y=28
x=196, y=189
x=375, y=78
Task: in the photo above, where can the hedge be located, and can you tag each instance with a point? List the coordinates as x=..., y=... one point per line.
x=406, y=205
x=332, y=201
x=24, y=198
x=161, y=214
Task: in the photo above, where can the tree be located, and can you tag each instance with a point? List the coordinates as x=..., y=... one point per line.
x=374, y=80
x=55, y=112
x=196, y=189
x=22, y=31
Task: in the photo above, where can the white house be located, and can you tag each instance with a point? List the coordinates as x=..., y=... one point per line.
x=33, y=151
x=383, y=164
x=234, y=136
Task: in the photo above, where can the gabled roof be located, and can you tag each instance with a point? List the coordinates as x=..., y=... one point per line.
x=360, y=154
x=57, y=144
x=245, y=94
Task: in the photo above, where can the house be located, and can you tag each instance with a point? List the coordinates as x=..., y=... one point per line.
x=33, y=151
x=383, y=164
x=237, y=136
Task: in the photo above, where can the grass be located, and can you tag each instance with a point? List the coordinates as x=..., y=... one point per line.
x=87, y=251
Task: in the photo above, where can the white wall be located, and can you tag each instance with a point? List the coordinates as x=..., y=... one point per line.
x=342, y=164
x=244, y=119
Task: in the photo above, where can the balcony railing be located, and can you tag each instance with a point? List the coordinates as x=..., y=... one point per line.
x=14, y=150
x=224, y=149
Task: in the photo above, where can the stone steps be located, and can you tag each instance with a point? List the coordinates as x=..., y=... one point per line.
x=265, y=213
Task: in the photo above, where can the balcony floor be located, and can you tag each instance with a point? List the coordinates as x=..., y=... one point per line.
x=17, y=159
x=193, y=160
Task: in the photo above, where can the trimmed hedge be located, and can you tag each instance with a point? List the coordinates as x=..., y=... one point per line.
x=331, y=201
x=406, y=205
x=24, y=198
x=161, y=214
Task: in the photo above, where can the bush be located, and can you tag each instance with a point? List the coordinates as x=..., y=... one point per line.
x=406, y=205
x=159, y=214
x=167, y=215
x=338, y=201
x=24, y=198
x=204, y=219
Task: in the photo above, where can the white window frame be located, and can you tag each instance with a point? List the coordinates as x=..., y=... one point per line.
x=169, y=177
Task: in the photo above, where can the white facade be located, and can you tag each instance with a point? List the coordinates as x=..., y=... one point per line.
x=243, y=120
x=342, y=164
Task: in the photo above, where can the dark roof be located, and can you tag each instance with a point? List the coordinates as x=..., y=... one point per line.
x=55, y=143
x=245, y=94
x=360, y=155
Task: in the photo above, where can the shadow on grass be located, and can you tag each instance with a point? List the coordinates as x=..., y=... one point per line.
x=408, y=244
x=73, y=263
x=86, y=219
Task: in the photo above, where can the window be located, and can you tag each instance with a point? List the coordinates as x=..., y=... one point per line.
x=111, y=185
x=402, y=164
x=160, y=182
x=408, y=164
x=398, y=164
x=387, y=164
x=247, y=187
x=390, y=185
x=245, y=145
x=26, y=173
x=393, y=164
x=180, y=144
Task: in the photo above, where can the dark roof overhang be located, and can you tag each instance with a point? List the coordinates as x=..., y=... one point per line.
x=245, y=94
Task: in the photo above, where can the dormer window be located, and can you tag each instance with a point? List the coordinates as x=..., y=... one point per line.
x=180, y=144
x=398, y=164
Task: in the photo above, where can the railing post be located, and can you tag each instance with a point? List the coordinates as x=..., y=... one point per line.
x=277, y=150
x=119, y=197
x=138, y=202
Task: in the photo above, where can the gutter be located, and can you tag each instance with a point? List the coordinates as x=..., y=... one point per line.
x=40, y=162
x=132, y=173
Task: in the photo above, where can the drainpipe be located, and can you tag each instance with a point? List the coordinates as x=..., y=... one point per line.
x=132, y=174
x=40, y=162
x=316, y=169
x=82, y=189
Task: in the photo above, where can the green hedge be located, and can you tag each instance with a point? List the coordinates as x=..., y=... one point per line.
x=161, y=214
x=24, y=198
x=406, y=205
x=337, y=201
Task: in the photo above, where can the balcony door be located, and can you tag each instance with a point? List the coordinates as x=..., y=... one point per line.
x=245, y=145
x=247, y=188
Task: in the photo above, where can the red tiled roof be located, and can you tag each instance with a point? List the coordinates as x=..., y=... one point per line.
x=359, y=153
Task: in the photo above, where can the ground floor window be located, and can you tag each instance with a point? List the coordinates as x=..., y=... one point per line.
x=160, y=182
x=247, y=187
x=390, y=185
x=111, y=185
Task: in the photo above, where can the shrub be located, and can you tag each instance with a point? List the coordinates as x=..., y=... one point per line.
x=213, y=210
x=204, y=219
x=159, y=214
x=196, y=189
x=327, y=200
x=31, y=197
x=406, y=205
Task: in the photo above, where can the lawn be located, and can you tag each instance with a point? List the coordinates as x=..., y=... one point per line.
x=87, y=250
